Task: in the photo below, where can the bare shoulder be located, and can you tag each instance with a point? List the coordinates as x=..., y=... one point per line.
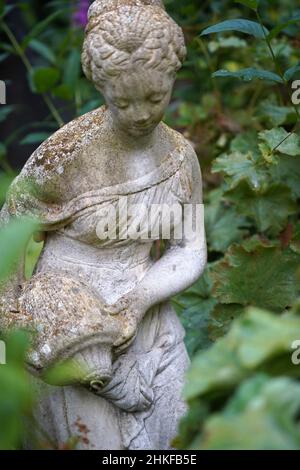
x=190, y=162
x=68, y=141
x=47, y=166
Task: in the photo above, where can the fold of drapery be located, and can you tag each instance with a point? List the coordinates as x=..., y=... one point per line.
x=22, y=200
x=145, y=378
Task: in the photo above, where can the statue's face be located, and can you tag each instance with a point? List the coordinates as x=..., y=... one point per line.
x=138, y=100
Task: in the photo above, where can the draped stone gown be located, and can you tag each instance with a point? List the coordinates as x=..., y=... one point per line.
x=141, y=406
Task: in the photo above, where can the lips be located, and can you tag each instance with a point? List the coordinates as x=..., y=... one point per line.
x=143, y=126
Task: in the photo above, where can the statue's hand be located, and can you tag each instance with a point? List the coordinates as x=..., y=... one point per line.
x=132, y=311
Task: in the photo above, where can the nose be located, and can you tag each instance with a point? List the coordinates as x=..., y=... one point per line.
x=142, y=118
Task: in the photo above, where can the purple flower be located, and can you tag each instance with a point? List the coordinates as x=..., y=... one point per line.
x=80, y=17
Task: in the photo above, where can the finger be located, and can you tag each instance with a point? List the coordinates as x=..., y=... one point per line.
x=121, y=345
x=113, y=309
x=122, y=349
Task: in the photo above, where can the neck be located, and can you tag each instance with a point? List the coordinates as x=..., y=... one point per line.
x=128, y=141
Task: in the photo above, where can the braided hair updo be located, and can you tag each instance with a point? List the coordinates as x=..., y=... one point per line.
x=123, y=35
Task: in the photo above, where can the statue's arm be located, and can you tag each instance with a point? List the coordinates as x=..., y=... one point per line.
x=40, y=190
x=19, y=199
x=183, y=262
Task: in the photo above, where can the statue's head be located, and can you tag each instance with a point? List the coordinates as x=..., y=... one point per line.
x=132, y=51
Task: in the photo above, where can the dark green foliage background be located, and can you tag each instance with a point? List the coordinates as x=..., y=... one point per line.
x=242, y=317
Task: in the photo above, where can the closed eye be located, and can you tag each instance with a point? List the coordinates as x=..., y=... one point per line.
x=157, y=98
x=121, y=104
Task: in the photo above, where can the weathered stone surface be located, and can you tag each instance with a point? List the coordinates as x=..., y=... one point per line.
x=103, y=303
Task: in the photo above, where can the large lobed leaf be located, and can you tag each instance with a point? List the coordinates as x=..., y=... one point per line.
x=269, y=208
x=223, y=224
x=261, y=275
x=281, y=140
x=13, y=241
x=194, y=307
x=238, y=166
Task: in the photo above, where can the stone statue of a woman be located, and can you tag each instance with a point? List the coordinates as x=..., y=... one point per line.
x=103, y=302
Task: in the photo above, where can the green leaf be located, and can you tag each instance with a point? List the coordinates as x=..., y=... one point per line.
x=295, y=243
x=16, y=393
x=223, y=225
x=289, y=74
x=290, y=142
x=238, y=166
x=72, y=69
x=35, y=138
x=43, y=50
x=257, y=339
x=40, y=27
x=269, y=208
x=5, y=9
x=231, y=42
x=195, y=320
x=287, y=171
x=276, y=115
x=3, y=151
x=221, y=319
x=32, y=255
x=43, y=79
x=193, y=308
x=64, y=372
x=5, y=111
x=4, y=56
x=250, y=74
x=90, y=105
x=216, y=369
x=245, y=142
x=5, y=182
x=13, y=240
x=190, y=424
x=262, y=275
x=240, y=25
x=64, y=92
x=261, y=415
x=253, y=4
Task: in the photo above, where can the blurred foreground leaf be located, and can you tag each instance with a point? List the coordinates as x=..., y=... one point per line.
x=16, y=394
x=261, y=415
x=256, y=340
x=13, y=240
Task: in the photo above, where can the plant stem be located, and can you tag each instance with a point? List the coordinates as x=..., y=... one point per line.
x=29, y=68
x=6, y=166
x=281, y=74
x=209, y=64
x=255, y=98
x=180, y=304
x=53, y=110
